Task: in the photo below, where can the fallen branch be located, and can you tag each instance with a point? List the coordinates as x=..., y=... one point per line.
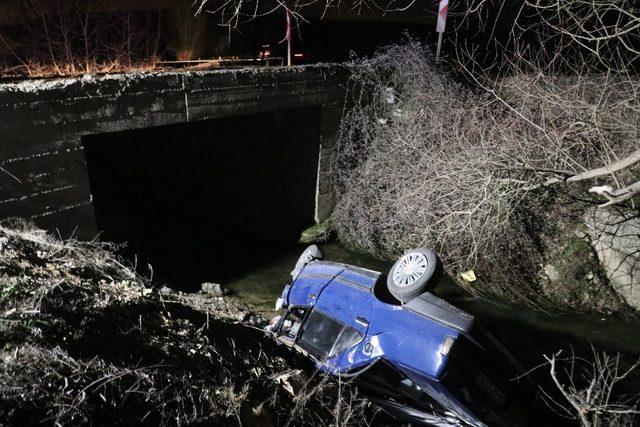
x=608, y=169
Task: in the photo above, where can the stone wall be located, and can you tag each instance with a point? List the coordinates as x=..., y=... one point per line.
x=43, y=173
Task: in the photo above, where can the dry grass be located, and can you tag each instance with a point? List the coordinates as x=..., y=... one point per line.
x=33, y=69
x=85, y=340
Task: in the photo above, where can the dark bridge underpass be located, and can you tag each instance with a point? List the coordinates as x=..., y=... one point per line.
x=196, y=200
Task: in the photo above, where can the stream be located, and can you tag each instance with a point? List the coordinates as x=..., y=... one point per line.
x=528, y=332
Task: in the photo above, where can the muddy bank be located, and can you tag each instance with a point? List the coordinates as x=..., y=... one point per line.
x=86, y=340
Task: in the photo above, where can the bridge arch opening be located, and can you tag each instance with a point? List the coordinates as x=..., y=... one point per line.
x=201, y=200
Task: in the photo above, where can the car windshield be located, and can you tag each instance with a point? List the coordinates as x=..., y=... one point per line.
x=323, y=336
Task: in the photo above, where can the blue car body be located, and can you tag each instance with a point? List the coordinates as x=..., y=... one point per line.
x=415, y=338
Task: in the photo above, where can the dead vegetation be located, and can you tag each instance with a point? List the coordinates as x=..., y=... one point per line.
x=594, y=390
x=68, y=38
x=477, y=171
x=85, y=340
x=416, y=162
x=497, y=167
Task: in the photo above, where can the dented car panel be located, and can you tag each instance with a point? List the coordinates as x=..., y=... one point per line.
x=346, y=328
x=397, y=334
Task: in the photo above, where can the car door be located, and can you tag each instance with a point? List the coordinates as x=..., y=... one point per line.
x=350, y=306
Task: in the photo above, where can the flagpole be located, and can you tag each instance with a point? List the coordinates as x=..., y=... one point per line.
x=439, y=45
x=288, y=38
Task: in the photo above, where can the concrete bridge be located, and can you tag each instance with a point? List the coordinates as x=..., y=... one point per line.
x=72, y=150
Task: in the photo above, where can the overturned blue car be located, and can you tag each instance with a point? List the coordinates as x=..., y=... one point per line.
x=415, y=355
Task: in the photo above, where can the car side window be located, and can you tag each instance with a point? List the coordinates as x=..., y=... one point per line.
x=292, y=322
x=348, y=338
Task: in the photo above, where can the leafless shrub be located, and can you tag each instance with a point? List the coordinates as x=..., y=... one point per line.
x=586, y=128
x=591, y=389
x=416, y=161
x=569, y=73
x=422, y=160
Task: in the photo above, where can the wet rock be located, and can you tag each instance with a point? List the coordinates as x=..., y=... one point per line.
x=319, y=233
x=615, y=237
x=213, y=289
x=254, y=319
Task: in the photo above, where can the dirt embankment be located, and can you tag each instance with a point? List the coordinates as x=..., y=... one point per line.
x=85, y=340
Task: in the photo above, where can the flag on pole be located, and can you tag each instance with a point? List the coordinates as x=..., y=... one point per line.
x=440, y=24
x=442, y=15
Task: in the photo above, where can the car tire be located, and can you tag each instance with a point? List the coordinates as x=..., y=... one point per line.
x=413, y=273
x=311, y=253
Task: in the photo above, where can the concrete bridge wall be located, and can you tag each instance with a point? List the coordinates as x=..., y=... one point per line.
x=43, y=173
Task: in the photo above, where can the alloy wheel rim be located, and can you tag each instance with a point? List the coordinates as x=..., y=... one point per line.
x=410, y=268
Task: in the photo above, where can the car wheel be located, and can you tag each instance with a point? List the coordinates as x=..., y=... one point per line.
x=310, y=254
x=413, y=273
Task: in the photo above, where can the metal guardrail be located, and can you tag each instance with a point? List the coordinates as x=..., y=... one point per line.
x=223, y=62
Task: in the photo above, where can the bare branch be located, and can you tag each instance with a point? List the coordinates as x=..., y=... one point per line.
x=608, y=169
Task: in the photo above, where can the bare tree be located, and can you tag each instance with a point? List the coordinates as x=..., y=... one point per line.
x=57, y=37
x=590, y=388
